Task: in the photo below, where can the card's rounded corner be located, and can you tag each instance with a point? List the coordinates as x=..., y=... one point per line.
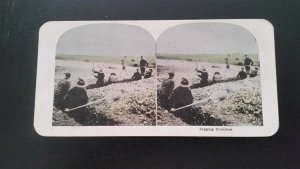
x=39, y=131
x=274, y=130
x=45, y=25
x=268, y=23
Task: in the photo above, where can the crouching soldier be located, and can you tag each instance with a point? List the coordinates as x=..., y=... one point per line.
x=137, y=75
x=148, y=73
x=242, y=74
x=180, y=97
x=61, y=90
x=217, y=77
x=112, y=78
x=77, y=96
x=254, y=72
x=99, y=75
x=166, y=91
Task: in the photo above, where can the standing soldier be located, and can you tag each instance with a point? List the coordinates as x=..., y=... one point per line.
x=61, y=90
x=143, y=65
x=227, y=62
x=123, y=63
x=99, y=75
x=166, y=91
x=248, y=63
x=180, y=97
x=77, y=96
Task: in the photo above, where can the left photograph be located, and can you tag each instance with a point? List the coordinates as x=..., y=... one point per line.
x=105, y=76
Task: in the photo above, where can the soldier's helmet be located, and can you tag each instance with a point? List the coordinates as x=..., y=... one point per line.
x=184, y=82
x=80, y=82
x=171, y=74
x=67, y=74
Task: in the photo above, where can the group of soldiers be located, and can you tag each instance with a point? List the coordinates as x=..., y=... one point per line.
x=171, y=98
x=178, y=100
x=66, y=98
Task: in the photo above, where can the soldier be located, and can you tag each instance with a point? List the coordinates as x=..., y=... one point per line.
x=148, y=73
x=112, y=78
x=143, y=65
x=217, y=77
x=248, y=63
x=180, y=97
x=100, y=76
x=61, y=90
x=77, y=96
x=203, y=75
x=227, y=62
x=166, y=91
x=254, y=72
x=123, y=63
x=137, y=75
x=242, y=74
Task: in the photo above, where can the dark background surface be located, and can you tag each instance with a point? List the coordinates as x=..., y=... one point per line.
x=21, y=147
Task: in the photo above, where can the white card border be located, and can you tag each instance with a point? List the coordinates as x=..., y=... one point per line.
x=50, y=33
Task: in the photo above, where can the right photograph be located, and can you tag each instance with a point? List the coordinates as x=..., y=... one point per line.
x=208, y=74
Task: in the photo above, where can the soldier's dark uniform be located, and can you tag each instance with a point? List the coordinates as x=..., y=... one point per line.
x=248, y=63
x=242, y=75
x=143, y=65
x=180, y=97
x=77, y=96
x=204, y=78
x=136, y=76
x=60, y=92
x=100, y=77
x=148, y=74
x=165, y=92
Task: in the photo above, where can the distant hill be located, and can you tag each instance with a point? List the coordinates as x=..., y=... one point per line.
x=235, y=59
x=130, y=60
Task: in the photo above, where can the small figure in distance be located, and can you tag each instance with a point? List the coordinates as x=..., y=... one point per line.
x=112, y=78
x=227, y=62
x=217, y=77
x=137, y=75
x=61, y=90
x=254, y=72
x=148, y=73
x=242, y=74
x=180, y=97
x=166, y=91
x=247, y=63
x=123, y=63
x=143, y=65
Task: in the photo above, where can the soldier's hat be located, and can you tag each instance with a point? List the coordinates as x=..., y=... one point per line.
x=171, y=73
x=67, y=74
x=80, y=82
x=184, y=82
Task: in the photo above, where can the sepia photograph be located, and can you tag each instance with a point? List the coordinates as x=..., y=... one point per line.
x=208, y=75
x=105, y=75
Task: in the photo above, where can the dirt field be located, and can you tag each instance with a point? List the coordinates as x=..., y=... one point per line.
x=128, y=103
x=241, y=103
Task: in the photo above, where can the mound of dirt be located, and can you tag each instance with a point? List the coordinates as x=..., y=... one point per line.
x=137, y=108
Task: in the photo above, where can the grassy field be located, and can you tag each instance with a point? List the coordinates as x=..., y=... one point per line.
x=234, y=59
x=130, y=60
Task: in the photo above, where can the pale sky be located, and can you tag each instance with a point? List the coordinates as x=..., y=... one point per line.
x=107, y=40
x=206, y=38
